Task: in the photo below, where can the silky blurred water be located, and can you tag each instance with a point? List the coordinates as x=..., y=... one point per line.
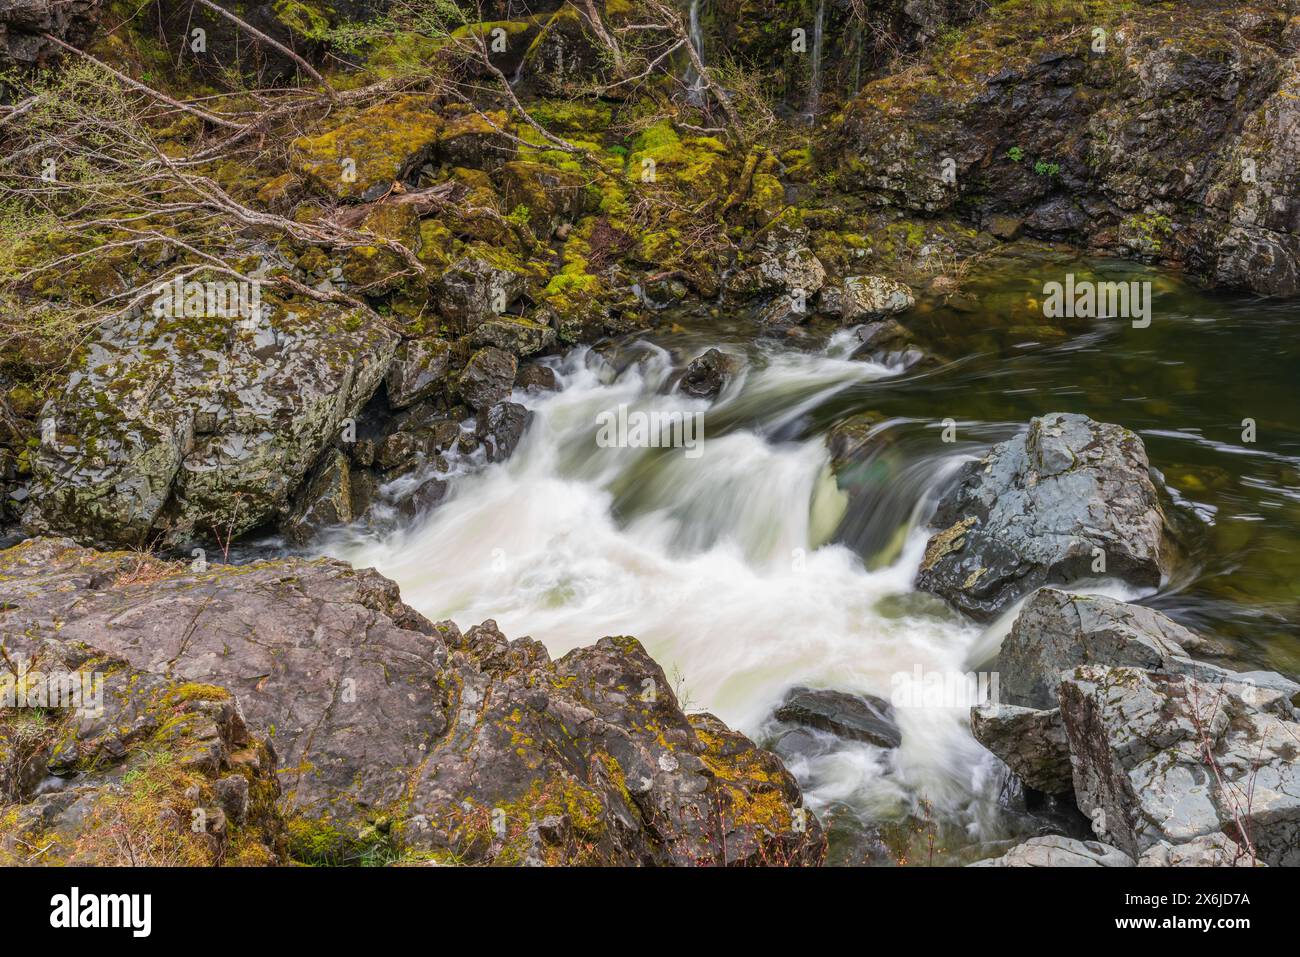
x=748, y=570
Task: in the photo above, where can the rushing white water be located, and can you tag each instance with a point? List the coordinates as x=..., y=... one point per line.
x=718, y=564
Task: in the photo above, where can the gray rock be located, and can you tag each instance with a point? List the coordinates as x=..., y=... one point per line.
x=1056, y=851
x=1030, y=742
x=784, y=262
x=172, y=429
x=1169, y=758
x=1057, y=631
x=418, y=370
x=488, y=377
x=1212, y=850
x=855, y=717
x=1032, y=511
x=473, y=290
x=871, y=297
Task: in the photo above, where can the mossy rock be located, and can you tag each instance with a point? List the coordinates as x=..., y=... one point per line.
x=361, y=156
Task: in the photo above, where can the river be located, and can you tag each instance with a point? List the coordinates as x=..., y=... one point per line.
x=746, y=570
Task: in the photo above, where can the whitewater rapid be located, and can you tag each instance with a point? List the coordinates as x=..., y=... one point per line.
x=721, y=565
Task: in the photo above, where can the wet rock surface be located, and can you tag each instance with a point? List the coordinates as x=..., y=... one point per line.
x=854, y=717
x=707, y=374
x=1054, y=505
x=210, y=426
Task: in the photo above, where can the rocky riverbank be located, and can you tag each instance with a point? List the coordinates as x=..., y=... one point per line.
x=254, y=292
x=363, y=732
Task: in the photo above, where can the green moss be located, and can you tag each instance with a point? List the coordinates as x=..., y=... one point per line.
x=369, y=149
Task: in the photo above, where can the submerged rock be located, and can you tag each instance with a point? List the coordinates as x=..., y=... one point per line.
x=855, y=717
x=1071, y=499
x=887, y=342
x=708, y=373
x=437, y=745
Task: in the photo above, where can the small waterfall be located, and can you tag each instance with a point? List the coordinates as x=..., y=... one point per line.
x=815, y=86
x=695, y=82
x=725, y=566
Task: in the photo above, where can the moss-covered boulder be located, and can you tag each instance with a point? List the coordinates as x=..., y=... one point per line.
x=197, y=427
x=548, y=195
x=360, y=156
x=1114, y=125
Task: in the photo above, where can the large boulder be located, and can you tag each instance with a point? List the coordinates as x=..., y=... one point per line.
x=477, y=287
x=1056, y=631
x=1162, y=758
x=783, y=261
x=1021, y=118
x=184, y=429
x=410, y=738
x=1071, y=499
